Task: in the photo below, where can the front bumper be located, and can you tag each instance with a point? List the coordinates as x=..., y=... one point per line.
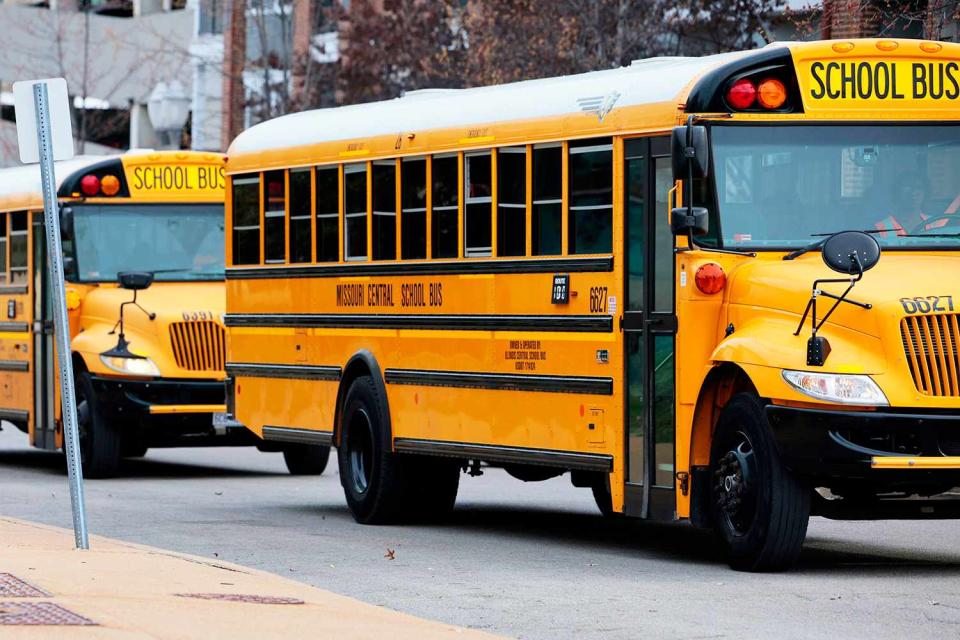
x=874, y=445
x=168, y=412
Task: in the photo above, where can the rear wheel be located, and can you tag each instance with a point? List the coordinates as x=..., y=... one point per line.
x=99, y=441
x=306, y=459
x=434, y=484
x=760, y=508
x=375, y=480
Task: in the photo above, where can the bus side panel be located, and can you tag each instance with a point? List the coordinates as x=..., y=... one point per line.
x=16, y=367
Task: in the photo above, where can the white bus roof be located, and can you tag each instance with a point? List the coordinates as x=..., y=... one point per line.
x=24, y=181
x=656, y=80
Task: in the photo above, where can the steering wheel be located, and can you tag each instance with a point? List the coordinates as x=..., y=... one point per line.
x=926, y=224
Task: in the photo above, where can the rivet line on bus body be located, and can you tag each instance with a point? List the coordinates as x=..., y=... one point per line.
x=842, y=47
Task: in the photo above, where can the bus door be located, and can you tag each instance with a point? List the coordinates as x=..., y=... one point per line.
x=44, y=373
x=16, y=305
x=649, y=329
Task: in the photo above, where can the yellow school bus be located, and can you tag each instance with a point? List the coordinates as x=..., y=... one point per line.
x=143, y=258
x=664, y=279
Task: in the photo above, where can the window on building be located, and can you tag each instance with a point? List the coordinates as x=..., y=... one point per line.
x=477, y=202
x=274, y=212
x=413, y=200
x=512, y=201
x=19, y=231
x=385, y=210
x=355, y=211
x=590, y=227
x=547, y=214
x=445, y=201
x=328, y=214
x=300, y=207
x=246, y=219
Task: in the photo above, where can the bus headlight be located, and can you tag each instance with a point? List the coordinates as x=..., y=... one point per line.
x=837, y=387
x=131, y=366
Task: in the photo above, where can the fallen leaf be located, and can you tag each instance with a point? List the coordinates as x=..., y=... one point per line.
x=390, y=554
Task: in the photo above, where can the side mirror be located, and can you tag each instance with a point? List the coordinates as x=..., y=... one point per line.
x=851, y=252
x=135, y=280
x=684, y=221
x=66, y=223
x=690, y=153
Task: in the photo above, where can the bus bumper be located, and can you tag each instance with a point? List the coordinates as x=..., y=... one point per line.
x=888, y=447
x=169, y=412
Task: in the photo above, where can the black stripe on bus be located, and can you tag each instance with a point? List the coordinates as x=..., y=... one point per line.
x=501, y=381
x=291, y=371
x=13, y=288
x=299, y=436
x=497, y=453
x=14, y=415
x=14, y=365
x=557, y=323
x=18, y=327
x=537, y=265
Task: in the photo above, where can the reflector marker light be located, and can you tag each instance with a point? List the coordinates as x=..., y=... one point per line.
x=771, y=94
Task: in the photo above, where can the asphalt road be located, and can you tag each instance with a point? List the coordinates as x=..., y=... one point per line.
x=531, y=560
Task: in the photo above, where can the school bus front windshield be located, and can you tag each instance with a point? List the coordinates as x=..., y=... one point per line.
x=175, y=242
x=784, y=186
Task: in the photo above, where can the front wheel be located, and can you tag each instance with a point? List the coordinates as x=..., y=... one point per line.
x=306, y=459
x=99, y=441
x=759, y=507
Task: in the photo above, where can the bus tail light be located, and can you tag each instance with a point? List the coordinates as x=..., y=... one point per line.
x=710, y=278
x=110, y=185
x=90, y=185
x=771, y=93
x=742, y=94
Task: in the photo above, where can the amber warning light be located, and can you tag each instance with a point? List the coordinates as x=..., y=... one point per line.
x=769, y=93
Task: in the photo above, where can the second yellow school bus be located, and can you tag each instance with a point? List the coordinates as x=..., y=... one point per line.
x=607, y=275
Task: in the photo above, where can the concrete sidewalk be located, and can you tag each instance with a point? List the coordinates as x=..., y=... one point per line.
x=121, y=590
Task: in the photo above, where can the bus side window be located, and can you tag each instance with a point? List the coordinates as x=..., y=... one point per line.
x=299, y=249
x=3, y=247
x=547, y=214
x=591, y=197
x=385, y=210
x=18, y=248
x=355, y=211
x=246, y=219
x=413, y=222
x=444, y=214
x=274, y=212
x=512, y=201
x=328, y=214
x=477, y=198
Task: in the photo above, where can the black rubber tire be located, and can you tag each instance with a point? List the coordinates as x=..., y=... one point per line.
x=306, y=459
x=434, y=483
x=769, y=535
x=99, y=441
x=601, y=494
x=376, y=481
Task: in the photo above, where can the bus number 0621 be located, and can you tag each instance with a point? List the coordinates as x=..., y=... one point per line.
x=927, y=304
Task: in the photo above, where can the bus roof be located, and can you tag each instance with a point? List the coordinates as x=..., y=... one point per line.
x=655, y=80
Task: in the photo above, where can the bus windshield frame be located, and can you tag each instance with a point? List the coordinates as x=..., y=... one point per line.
x=166, y=264
x=764, y=199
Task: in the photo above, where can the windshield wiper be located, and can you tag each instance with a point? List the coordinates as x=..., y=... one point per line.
x=793, y=255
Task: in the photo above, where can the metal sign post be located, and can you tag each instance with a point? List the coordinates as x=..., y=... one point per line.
x=51, y=218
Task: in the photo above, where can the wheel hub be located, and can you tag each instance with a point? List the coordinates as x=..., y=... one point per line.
x=734, y=485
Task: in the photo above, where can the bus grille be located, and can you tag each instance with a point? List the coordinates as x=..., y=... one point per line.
x=198, y=346
x=932, y=345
